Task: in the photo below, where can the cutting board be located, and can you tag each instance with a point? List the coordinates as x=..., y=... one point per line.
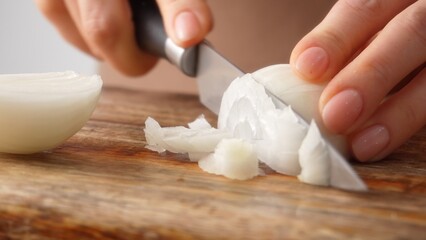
x=103, y=184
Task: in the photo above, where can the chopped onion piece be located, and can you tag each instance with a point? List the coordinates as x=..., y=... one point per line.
x=314, y=158
x=154, y=136
x=233, y=158
x=199, y=123
x=282, y=137
x=196, y=142
x=41, y=110
x=250, y=96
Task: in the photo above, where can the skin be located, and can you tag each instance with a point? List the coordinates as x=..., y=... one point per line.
x=372, y=53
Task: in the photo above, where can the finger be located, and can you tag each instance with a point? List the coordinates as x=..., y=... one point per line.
x=57, y=13
x=322, y=53
x=396, y=121
x=107, y=28
x=187, y=22
x=357, y=91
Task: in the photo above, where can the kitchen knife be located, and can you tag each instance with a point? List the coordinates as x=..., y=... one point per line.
x=212, y=71
x=214, y=74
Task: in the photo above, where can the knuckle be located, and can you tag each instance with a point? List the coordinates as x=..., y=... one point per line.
x=366, y=6
x=378, y=70
x=416, y=22
x=99, y=31
x=334, y=39
x=51, y=9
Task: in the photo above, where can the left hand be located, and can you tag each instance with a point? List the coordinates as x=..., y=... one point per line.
x=366, y=48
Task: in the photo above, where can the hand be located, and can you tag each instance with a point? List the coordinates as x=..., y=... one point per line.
x=365, y=48
x=104, y=28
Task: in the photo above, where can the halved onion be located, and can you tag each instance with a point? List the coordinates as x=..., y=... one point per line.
x=39, y=111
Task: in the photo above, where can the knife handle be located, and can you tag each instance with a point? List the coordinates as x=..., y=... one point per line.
x=152, y=38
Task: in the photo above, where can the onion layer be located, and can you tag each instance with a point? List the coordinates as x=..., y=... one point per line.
x=40, y=111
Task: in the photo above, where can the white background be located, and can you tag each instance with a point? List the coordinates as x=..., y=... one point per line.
x=29, y=43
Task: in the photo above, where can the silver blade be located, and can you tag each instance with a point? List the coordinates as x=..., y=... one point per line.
x=343, y=176
x=214, y=74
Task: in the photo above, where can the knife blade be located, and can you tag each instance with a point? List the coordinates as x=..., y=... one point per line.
x=214, y=74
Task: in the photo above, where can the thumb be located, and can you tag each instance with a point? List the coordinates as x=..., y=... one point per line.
x=187, y=22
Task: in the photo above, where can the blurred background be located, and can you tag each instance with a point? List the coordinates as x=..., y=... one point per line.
x=251, y=33
x=29, y=43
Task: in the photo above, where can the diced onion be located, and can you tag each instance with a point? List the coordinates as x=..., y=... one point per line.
x=233, y=158
x=197, y=141
x=282, y=137
x=314, y=158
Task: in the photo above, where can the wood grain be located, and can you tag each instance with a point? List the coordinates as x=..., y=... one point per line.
x=103, y=184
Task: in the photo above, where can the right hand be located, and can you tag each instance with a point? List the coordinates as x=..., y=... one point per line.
x=104, y=28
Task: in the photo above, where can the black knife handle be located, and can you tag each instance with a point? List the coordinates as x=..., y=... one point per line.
x=152, y=38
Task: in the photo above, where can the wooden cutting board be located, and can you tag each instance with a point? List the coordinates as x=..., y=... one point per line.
x=103, y=184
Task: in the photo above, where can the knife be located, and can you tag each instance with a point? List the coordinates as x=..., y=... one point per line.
x=214, y=73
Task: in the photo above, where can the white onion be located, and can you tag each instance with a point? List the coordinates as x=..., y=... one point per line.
x=196, y=141
x=233, y=158
x=314, y=158
x=282, y=137
x=199, y=123
x=300, y=95
x=244, y=101
x=249, y=113
x=39, y=111
x=253, y=126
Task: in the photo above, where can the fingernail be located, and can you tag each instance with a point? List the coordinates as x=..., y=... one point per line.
x=342, y=110
x=186, y=26
x=369, y=142
x=312, y=63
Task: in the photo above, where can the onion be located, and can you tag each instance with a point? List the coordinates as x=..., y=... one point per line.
x=233, y=158
x=282, y=137
x=39, y=111
x=314, y=158
x=197, y=141
x=254, y=126
x=301, y=95
x=243, y=103
x=199, y=123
